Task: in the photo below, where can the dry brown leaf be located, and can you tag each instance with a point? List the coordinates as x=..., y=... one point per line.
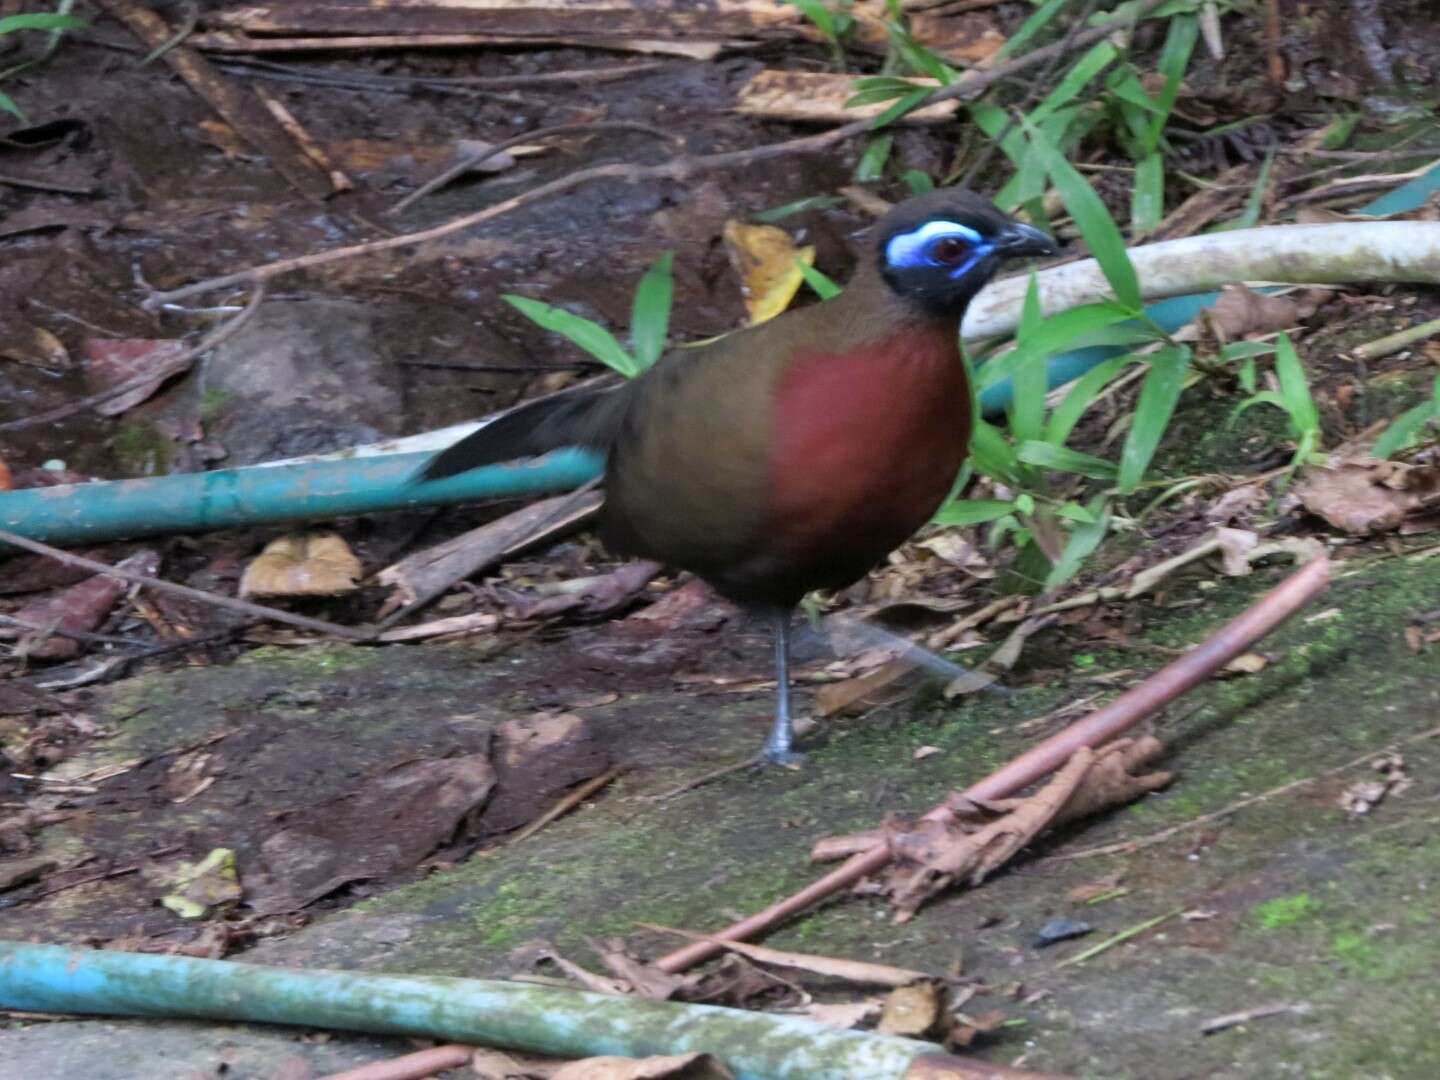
x=81, y=607
x=863, y=691
x=912, y=1011
x=1083, y=894
x=844, y=1014
x=1247, y=664
x=671, y=1067
x=1235, y=548
x=646, y=980
x=768, y=263
x=497, y=1065
x=928, y=856
x=922, y=752
x=819, y=97
x=1000, y=661
x=965, y=39
x=112, y=361
x=1241, y=311
x=35, y=346
x=1363, y=796
x=316, y=564
x=1362, y=495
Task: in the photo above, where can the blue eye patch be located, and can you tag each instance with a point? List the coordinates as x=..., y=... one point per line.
x=910, y=250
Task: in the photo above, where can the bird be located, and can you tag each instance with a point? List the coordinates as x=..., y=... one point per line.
x=795, y=454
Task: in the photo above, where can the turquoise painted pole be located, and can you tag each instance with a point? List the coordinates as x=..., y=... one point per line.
x=231, y=498
x=540, y=1019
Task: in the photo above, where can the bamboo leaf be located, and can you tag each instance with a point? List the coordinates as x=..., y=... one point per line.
x=590, y=336
x=1062, y=458
x=1158, y=397
x=971, y=511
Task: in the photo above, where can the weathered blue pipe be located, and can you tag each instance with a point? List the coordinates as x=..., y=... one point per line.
x=325, y=489
x=540, y=1019
x=229, y=498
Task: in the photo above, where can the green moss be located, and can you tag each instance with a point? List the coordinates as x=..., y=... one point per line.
x=1285, y=911
x=141, y=449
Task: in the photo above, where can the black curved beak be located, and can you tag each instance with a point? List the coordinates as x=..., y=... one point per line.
x=1017, y=239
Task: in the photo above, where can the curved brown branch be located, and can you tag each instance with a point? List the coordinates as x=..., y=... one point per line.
x=682, y=168
x=1161, y=688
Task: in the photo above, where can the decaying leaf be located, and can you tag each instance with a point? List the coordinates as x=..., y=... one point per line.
x=316, y=564
x=204, y=886
x=670, y=1067
x=1241, y=311
x=1248, y=663
x=928, y=856
x=912, y=1011
x=768, y=263
x=864, y=691
x=1000, y=661
x=34, y=346
x=1361, y=495
x=820, y=97
x=112, y=361
x=81, y=607
x=1363, y=796
x=845, y=1014
x=644, y=979
x=1084, y=894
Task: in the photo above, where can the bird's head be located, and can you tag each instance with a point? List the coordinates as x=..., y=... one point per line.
x=939, y=249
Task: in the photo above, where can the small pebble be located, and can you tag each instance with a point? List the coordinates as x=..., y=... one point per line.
x=1061, y=929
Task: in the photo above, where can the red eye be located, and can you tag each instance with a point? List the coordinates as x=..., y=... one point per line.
x=949, y=250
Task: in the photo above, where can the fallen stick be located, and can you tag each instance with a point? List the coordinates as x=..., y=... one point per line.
x=1161, y=688
x=244, y=607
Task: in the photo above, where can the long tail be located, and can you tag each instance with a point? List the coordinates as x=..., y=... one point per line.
x=586, y=418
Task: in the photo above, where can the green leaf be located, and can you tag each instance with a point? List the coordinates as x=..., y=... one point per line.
x=918, y=182
x=1158, y=397
x=1295, y=388
x=799, y=206
x=1055, y=333
x=7, y=104
x=1263, y=397
x=971, y=511
x=1405, y=427
x=1174, y=59
x=41, y=21
x=821, y=16
x=1244, y=350
x=1082, y=394
x=1094, y=221
x=1062, y=458
x=823, y=285
x=590, y=336
x=1031, y=26
x=1255, y=203
x=906, y=104
x=991, y=454
x=1027, y=399
x=1073, y=511
x=872, y=161
x=650, y=312
x=1147, y=200
x=1247, y=377
x=1084, y=539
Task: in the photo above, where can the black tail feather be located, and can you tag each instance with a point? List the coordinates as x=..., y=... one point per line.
x=586, y=418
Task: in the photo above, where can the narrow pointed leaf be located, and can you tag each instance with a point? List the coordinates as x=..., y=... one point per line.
x=590, y=336
x=650, y=313
x=1158, y=397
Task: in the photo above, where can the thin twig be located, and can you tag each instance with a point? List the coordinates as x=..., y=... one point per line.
x=569, y=802
x=245, y=607
x=682, y=168
x=74, y=635
x=473, y=160
x=1244, y=1016
x=187, y=27
x=416, y=1066
x=1131, y=707
x=216, y=337
x=1117, y=939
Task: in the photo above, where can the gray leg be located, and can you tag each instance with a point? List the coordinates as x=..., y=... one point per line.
x=779, y=747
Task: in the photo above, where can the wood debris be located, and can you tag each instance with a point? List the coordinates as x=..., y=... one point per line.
x=820, y=97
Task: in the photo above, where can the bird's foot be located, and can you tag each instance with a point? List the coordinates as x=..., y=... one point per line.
x=781, y=755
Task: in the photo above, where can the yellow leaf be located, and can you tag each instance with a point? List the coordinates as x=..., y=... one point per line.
x=318, y=564
x=766, y=260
